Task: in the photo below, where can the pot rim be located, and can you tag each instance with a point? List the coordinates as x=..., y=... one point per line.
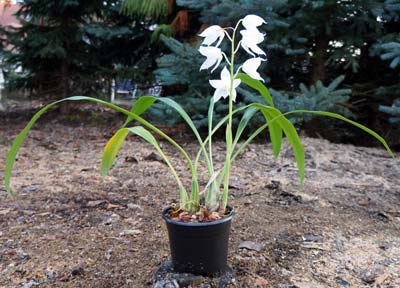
x=198, y=224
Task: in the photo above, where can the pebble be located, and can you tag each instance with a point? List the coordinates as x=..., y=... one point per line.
x=165, y=277
x=368, y=277
x=110, y=219
x=21, y=220
x=30, y=283
x=250, y=245
x=31, y=188
x=22, y=255
x=134, y=206
x=312, y=238
x=341, y=281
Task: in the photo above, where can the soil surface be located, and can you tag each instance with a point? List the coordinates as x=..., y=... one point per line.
x=70, y=227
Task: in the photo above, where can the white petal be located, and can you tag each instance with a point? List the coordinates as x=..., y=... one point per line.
x=217, y=84
x=252, y=36
x=219, y=93
x=257, y=49
x=218, y=62
x=211, y=34
x=225, y=75
x=250, y=68
x=213, y=54
x=234, y=95
x=236, y=83
x=207, y=64
x=212, y=30
x=252, y=21
x=245, y=47
x=250, y=39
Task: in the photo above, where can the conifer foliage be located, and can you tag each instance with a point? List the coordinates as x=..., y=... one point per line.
x=310, y=42
x=69, y=47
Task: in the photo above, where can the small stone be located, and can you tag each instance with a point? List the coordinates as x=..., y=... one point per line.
x=95, y=203
x=154, y=157
x=341, y=281
x=28, y=212
x=185, y=279
x=250, y=245
x=51, y=274
x=312, y=238
x=134, y=206
x=31, y=283
x=131, y=232
x=31, y=188
x=22, y=255
x=167, y=283
x=113, y=218
x=77, y=270
x=21, y=220
x=368, y=277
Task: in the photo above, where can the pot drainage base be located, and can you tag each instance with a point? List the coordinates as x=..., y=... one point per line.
x=166, y=277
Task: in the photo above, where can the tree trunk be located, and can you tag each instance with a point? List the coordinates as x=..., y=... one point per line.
x=318, y=60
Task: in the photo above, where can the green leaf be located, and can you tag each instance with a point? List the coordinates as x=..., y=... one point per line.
x=257, y=85
x=140, y=106
x=340, y=117
x=275, y=134
x=275, y=116
x=275, y=130
x=111, y=150
x=248, y=114
x=115, y=143
x=21, y=136
x=12, y=153
x=144, y=102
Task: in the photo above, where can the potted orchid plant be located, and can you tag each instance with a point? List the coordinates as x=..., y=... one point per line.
x=198, y=225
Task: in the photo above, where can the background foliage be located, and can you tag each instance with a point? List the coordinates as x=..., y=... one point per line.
x=341, y=56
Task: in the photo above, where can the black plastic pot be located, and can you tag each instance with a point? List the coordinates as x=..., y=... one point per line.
x=199, y=248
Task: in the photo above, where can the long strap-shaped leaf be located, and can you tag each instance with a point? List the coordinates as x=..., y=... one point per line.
x=275, y=131
x=140, y=106
x=290, y=132
x=21, y=136
x=114, y=145
x=321, y=113
x=143, y=103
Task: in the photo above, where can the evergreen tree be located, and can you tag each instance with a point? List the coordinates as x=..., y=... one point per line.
x=74, y=47
x=309, y=42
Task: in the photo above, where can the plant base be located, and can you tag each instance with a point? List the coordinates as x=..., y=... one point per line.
x=165, y=276
x=199, y=248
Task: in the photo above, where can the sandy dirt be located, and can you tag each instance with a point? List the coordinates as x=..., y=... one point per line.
x=69, y=227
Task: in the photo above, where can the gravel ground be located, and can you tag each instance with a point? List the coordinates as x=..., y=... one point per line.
x=69, y=227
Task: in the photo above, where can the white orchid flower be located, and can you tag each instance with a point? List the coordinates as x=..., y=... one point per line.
x=250, y=68
x=251, y=22
x=250, y=39
x=214, y=56
x=211, y=34
x=223, y=86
